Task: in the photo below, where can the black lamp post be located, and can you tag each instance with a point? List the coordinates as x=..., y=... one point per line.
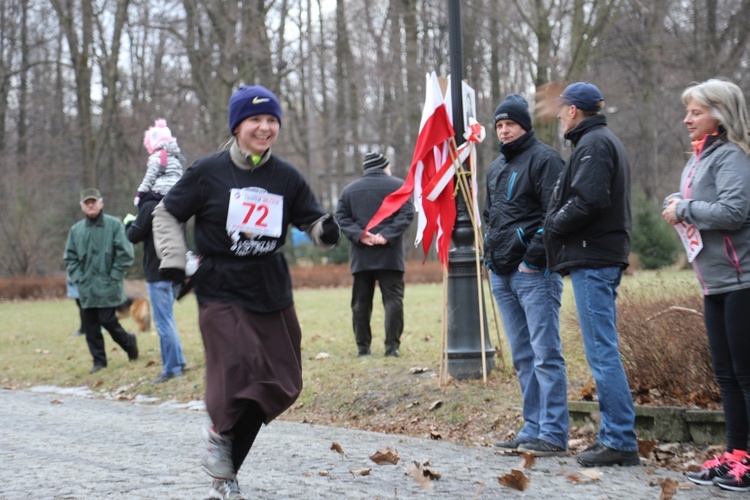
x=464, y=343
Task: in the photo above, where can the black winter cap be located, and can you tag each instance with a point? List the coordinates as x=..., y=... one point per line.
x=515, y=108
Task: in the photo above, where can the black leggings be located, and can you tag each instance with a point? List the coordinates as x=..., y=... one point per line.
x=728, y=331
x=245, y=431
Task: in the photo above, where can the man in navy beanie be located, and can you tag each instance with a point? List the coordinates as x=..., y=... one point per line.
x=376, y=256
x=519, y=185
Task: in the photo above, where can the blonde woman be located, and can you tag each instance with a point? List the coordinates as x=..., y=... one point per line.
x=713, y=210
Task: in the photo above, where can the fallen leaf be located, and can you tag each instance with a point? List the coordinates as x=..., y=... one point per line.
x=57, y=401
x=593, y=474
x=360, y=472
x=587, y=392
x=669, y=487
x=337, y=448
x=528, y=460
x=431, y=473
x=516, y=480
x=412, y=404
x=419, y=477
x=576, y=478
x=645, y=446
x=387, y=456
x=418, y=369
x=323, y=473
x=437, y=404
x=574, y=444
x=322, y=355
x=435, y=435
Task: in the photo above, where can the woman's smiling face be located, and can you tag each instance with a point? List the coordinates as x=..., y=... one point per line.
x=699, y=120
x=255, y=134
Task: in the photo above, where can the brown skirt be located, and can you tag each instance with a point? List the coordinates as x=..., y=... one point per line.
x=249, y=356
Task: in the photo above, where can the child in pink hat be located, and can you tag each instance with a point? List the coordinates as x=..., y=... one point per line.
x=164, y=166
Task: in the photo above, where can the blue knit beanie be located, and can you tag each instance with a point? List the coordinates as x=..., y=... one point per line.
x=251, y=101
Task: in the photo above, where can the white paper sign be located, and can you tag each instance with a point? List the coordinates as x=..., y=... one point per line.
x=254, y=211
x=691, y=239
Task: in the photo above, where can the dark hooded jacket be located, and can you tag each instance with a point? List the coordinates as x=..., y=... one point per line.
x=589, y=220
x=519, y=186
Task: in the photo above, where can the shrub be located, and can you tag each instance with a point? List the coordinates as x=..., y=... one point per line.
x=665, y=349
x=654, y=241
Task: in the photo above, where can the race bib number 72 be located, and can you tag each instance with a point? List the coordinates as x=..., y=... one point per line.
x=255, y=211
x=691, y=239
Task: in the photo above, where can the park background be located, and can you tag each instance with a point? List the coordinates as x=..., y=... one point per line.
x=81, y=81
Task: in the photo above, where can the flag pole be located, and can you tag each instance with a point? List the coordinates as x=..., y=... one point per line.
x=464, y=188
x=477, y=237
x=463, y=312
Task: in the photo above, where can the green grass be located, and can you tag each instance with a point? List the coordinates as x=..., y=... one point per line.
x=372, y=392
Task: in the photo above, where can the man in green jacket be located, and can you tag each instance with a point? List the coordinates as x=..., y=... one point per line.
x=97, y=256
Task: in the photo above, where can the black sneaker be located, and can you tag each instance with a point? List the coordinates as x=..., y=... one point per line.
x=392, y=352
x=594, y=446
x=163, y=378
x=542, y=448
x=511, y=444
x=737, y=479
x=716, y=467
x=132, y=347
x=603, y=456
x=96, y=368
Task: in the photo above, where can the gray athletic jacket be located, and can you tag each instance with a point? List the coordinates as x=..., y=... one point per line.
x=719, y=207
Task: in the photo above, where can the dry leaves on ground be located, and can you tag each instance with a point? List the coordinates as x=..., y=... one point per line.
x=645, y=446
x=360, y=472
x=585, y=476
x=423, y=476
x=516, y=480
x=669, y=487
x=528, y=460
x=338, y=449
x=383, y=457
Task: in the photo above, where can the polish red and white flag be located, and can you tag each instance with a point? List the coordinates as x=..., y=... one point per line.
x=436, y=216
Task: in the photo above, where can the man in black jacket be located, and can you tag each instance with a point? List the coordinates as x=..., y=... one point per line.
x=376, y=255
x=162, y=292
x=519, y=185
x=587, y=235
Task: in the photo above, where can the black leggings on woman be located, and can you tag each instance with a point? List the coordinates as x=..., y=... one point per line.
x=728, y=329
x=245, y=431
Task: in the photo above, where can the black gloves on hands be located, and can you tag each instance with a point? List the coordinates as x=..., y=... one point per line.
x=331, y=230
x=173, y=274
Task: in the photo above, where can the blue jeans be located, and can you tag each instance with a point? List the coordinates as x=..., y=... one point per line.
x=595, y=292
x=530, y=308
x=162, y=294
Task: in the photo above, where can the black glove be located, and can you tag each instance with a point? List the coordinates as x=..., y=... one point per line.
x=331, y=231
x=172, y=274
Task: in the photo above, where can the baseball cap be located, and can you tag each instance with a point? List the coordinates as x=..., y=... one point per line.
x=582, y=95
x=90, y=194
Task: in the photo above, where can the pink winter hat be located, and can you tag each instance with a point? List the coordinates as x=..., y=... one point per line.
x=157, y=135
